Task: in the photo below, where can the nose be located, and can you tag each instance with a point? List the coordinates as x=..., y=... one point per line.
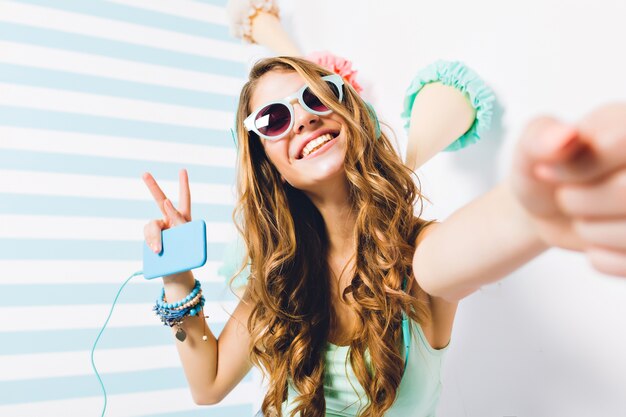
x=303, y=119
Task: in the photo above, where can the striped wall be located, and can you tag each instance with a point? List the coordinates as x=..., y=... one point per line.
x=93, y=94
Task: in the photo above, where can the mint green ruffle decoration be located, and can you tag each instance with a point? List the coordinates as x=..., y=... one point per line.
x=232, y=259
x=457, y=75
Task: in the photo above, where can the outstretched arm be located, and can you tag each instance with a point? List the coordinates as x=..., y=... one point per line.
x=566, y=189
x=480, y=243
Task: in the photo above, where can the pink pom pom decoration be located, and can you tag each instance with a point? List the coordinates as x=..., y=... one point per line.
x=338, y=65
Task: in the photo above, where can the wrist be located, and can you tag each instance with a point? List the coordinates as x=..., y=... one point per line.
x=185, y=277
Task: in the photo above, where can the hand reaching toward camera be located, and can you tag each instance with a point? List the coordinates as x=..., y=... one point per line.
x=571, y=179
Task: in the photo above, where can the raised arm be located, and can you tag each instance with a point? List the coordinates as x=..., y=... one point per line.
x=258, y=22
x=214, y=367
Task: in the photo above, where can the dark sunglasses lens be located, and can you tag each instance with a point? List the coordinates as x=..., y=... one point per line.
x=315, y=103
x=273, y=120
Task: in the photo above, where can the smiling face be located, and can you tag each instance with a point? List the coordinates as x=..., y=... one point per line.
x=324, y=165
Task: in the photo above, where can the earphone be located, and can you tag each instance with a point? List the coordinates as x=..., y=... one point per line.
x=184, y=247
x=375, y=118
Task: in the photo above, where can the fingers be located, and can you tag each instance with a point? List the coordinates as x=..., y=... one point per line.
x=184, y=196
x=578, y=175
x=155, y=190
x=607, y=261
x=160, y=197
x=548, y=140
x=544, y=139
x=550, y=144
x=597, y=213
x=176, y=218
x=605, y=234
x=172, y=217
x=604, y=133
x=152, y=234
x=583, y=166
x=602, y=199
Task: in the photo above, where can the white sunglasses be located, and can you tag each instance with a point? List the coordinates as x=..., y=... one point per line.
x=274, y=120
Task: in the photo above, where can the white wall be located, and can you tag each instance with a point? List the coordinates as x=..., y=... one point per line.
x=549, y=339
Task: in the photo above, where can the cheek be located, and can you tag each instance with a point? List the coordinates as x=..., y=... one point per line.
x=277, y=152
x=337, y=119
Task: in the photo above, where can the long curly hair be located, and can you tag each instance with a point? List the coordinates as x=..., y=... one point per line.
x=289, y=288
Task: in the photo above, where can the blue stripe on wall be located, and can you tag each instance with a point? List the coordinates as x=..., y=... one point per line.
x=72, y=81
x=139, y=16
x=103, y=207
x=72, y=340
x=77, y=294
x=81, y=123
x=111, y=167
x=115, y=49
x=230, y=411
x=65, y=340
x=47, y=389
x=60, y=249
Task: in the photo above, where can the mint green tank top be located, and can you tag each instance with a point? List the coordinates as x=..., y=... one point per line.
x=418, y=392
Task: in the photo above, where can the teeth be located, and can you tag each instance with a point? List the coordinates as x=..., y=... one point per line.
x=315, y=143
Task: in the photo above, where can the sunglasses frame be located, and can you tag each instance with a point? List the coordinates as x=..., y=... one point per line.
x=249, y=124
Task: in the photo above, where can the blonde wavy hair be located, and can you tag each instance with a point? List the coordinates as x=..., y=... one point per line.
x=289, y=290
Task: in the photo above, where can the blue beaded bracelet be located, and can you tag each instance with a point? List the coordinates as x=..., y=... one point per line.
x=172, y=314
x=196, y=289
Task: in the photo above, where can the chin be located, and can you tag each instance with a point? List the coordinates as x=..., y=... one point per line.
x=326, y=178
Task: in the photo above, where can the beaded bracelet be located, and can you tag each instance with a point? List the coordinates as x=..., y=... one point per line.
x=256, y=7
x=172, y=314
x=185, y=302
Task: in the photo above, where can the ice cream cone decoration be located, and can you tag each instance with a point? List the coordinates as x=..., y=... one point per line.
x=440, y=115
x=447, y=107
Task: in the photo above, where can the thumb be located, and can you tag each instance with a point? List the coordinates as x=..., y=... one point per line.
x=174, y=216
x=548, y=140
x=603, y=138
x=545, y=140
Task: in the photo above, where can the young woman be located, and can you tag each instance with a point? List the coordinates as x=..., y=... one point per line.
x=351, y=297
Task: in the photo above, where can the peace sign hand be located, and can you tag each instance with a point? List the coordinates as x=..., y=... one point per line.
x=171, y=216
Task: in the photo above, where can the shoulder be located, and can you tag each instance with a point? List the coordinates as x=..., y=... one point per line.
x=439, y=329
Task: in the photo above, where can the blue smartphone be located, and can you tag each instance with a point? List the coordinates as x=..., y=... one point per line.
x=182, y=248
